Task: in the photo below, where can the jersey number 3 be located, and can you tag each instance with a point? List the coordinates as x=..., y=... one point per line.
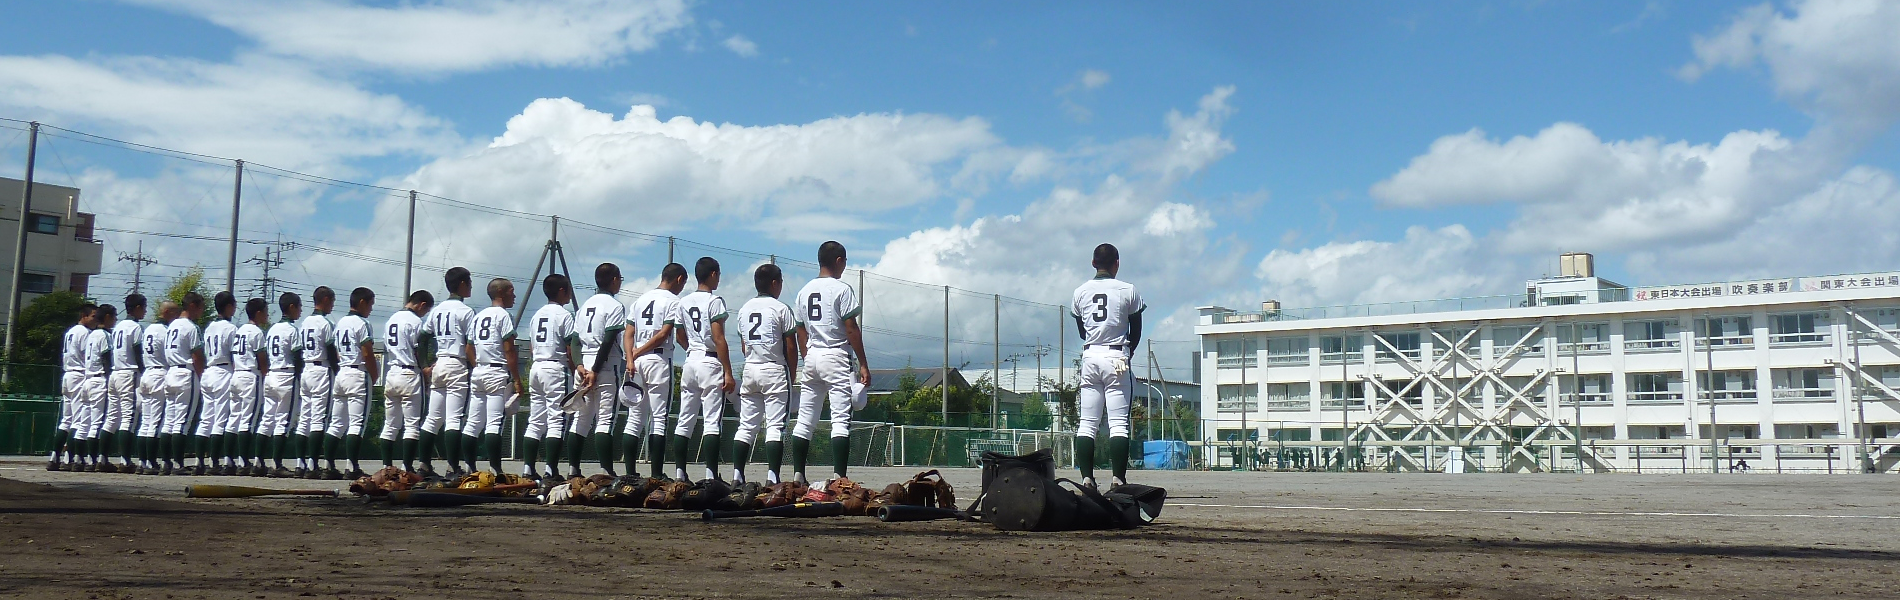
x=1101, y=307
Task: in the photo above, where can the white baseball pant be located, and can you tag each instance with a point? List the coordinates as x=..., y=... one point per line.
x=402, y=404
x=280, y=389
x=701, y=396
x=214, y=408
x=243, y=402
x=349, y=402
x=596, y=414
x=762, y=402
x=314, y=393
x=122, y=394
x=92, y=418
x=657, y=374
x=826, y=380
x=489, y=388
x=547, y=382
x=177, y=399
x=71, y=384
x=1104, y=385
x=448, y=395
x=151, y=401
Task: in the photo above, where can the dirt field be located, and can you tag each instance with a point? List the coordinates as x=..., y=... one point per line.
x=1255, y=535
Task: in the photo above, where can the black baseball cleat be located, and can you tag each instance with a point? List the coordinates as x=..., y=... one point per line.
x=199, y=471
x=300, y=473
x=530, y=475
x=610, y=473
x=553, y=475
x=332, y=474
x=167, y=471
x=282, y=473
x=52, y=465
x=574, y=474
x=355, y=474
x=312, y=473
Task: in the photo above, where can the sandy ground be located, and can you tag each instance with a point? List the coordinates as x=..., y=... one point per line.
x=1224, y=535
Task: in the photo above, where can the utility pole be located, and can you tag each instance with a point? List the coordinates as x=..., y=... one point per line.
x=1709, y=329
x=19, y=251
x=996, y=356
x=230, y=256
x=272, y=260
x=409, y=250
x=138, y=260
x=945, y=389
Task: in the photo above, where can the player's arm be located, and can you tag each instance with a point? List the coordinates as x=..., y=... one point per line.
x=1134, y=332
x=468, y=341
x=329, y=353
x=368, y=352
x=571, y=343
x=296, y=353
x=855, y=335
x=804, y=340
x=1080, y=330
x=508, y=357
x=718, y=331
x=198, y=356
x=607, y=341
x=263, y=353
x=659, y=337
x=791, y=344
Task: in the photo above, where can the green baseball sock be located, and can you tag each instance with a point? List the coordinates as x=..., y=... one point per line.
x=353, y=450
x=388, y=450
x=676, y=448
x=425, y=443
x=656, y=454
x=630, y=447
x=332, y=449
x=774, y=455
x=604, y=450
x=281, y=445
x=451, y=440
x=741, y=453
x=60, y=436
x=578, y=444
x=531, y=453
x=553, y=444
x=800, y=448
x=471, y=448
x=1085, y=455
x=1118, y=456
x=709, y=452
x=491, y=443
x=840, y=454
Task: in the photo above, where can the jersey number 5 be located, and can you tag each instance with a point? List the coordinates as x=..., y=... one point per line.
x=541, y=331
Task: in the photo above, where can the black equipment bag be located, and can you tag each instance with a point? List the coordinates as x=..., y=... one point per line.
x=1021, y=493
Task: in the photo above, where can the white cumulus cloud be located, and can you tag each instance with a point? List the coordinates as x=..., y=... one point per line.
x=1839, y=58
x=741, y=46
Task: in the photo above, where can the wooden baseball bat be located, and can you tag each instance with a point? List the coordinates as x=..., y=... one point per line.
x=402, y=496
x=900, y=512
x=432, y=499
x=800, y=509
x=239, y=491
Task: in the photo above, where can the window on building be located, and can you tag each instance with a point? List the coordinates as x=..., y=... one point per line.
x=1288, y=396
x=1238, y=398
x=1725, y=331
x=1290, y=435
x=1337, y=348
x=1533, y=393
x=80, y=283
x=1503, y=338
x=1353, y=392
x=1806, y=431
x=1803, y=383
x=1655, y=387
x=1237, y=435
x=1885, y=318
x=1240, y=353
x=1407, y=345
x=1471, y=344
x=1728, y=385
x=1797, y=328
x=36, y=283
x=47, y=224
x=1287, y=350
x=1583, y=338
x=1650, y=335
x=1595, y=388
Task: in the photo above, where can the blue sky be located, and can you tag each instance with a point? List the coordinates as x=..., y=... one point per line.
x=1319, y=153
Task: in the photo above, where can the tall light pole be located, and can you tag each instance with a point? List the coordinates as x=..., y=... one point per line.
x=1708, y=352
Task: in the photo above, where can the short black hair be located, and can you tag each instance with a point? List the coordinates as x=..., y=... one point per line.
x=605, y=274
x=256, y=305
x=498, y=285
x=192, y=299
x=554, y=284
x=223, y=300
x=323, y=294
x=134, y=301
x=764, y=276
x=704, y=268
x=1105, y=256
x=288, y=300
x=422, y=297
x=361, y=295
x=829, y=253
x=456, y=277
x=672, y=271
x=106, y=312
x=87, y=309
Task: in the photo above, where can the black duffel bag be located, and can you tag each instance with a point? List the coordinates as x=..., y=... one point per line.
x=1021, y=493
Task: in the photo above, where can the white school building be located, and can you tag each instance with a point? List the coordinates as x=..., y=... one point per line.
x=1796, y=374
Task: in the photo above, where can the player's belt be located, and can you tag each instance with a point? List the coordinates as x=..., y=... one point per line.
x=1115, y=347
x=126, y=369
x=358, y=366
x=78, y=370
x=402, y=366
x=496, y=365
x=222, y=364
x=709, y=354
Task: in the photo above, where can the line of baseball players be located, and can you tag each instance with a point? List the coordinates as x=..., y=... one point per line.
x=299, y=389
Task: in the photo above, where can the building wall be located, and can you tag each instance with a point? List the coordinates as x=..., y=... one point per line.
x=69, y=257
x=1764, y=410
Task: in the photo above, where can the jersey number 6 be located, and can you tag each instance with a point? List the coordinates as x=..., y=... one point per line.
x=814, y=307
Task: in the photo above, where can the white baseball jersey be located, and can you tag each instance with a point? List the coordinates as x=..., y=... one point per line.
x=552, y=328
x=153, y=346
x=351, y=331
x=125, y=344
x=315, y=331
x=763, y=324
x=655, y=309
x=72, y=348
x=823, y=305
x=1104, y=304
x=601, y=317
x=98, y=345
x=181, y=337
x=283, y=345
x=250, y=339
x=448, y=322
x=697, y=312
x=399, y=338
x=220, y=337
x=492, y=326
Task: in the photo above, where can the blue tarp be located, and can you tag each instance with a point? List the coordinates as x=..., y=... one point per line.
x=1164, y=454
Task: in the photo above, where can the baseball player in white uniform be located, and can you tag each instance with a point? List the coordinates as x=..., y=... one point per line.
x=706, y=377
x=552, y=328
x=493, y=386
x=72, y=378
x=598, y=326
x=152, y=391
x=122, y=386
x=446, y=326
x=247, y=350
x=1107, y=315
x=98, y=356
x=283, y=353
x=184, y=352
x=827, y=309
x=214, y=386
x=318, y=339
x=650, y=335
x=403, y=390
x=765, y=325
x=349, y=397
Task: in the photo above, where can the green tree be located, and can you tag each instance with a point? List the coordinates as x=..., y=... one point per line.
x=42, y=323
x=1065, y=394
x=192, y=280
x=1036, y=414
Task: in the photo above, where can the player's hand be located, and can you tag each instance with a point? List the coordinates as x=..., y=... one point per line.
x=864, y=375
x=730, y=385
x=428, y=373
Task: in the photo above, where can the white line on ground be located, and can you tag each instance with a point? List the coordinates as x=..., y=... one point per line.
x=1538, y=512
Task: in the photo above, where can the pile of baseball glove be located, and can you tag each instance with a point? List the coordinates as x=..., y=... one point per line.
x=381, y=483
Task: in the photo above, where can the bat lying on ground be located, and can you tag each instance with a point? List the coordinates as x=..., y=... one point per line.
x=239, y=491
x=899, y=512
x=432, y=499
x=801, y=509
x=403, y=496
